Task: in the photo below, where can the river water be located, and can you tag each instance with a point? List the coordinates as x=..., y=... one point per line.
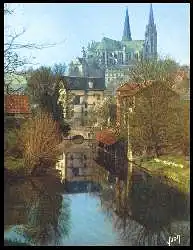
x=37, y=215
x=40, y=212
x=36, y=212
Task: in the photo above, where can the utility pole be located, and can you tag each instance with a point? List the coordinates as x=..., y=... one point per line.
x=129, y=153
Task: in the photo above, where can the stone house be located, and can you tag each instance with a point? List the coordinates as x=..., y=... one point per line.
x=86, y=91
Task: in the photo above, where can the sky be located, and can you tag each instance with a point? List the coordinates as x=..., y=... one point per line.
x=74, y=25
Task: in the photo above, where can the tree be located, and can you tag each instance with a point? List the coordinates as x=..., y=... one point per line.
x=103, y=114
x=44, y=88
x=155, y=124
x=59, y=69
x=38, y=139
x=41, y=84
x=73, y=70
x=186, y=128
x=13, y=62
x=114, y=84
x=163, y=70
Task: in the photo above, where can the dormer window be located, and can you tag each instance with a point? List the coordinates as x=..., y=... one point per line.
x=90, y=84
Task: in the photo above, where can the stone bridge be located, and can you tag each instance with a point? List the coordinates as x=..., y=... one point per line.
x=81, y=131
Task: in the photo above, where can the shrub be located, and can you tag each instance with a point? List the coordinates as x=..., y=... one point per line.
x=39, y=138
x=11, y=143
x=15, y=166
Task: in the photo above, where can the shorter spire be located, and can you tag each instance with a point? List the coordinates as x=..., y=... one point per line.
x=127, y=30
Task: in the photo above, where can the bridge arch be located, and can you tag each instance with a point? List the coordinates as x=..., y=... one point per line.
x=84, y=133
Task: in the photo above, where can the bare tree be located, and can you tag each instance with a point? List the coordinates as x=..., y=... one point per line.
x=13, y=62
x=156, y=123
x=163, y=70
x=103, y=114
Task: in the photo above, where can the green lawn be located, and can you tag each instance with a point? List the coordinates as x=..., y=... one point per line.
x=177, y=176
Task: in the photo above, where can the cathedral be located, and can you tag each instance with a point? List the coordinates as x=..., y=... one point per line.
x=111, y=59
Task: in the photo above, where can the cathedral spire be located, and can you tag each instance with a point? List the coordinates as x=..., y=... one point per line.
x=151, y=19
x=150, y=46
x=127, y=30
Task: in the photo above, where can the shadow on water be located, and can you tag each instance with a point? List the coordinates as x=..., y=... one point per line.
x=151, y=213
x=35, y=213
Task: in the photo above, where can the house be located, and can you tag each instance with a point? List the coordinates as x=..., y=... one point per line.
x=16, y=107
x=76, y=163
x=126, y=97
x=86, y=91
x=132, y=97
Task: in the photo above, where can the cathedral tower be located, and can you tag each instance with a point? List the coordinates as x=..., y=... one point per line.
x=150, y=45
x=127, y=30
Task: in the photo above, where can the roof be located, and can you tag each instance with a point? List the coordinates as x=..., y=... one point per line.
x=17, y=104
x=129, y=88
x=134, y=45
x=106, y=136
x=82, y=83
x=112, y=45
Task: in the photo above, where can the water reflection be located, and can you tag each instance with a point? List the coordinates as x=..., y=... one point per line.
x=39, y=214
x=150, y=214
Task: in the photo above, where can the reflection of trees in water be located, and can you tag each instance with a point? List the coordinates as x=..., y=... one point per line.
x=139, y=235
x=48, y=216
x=147, y=215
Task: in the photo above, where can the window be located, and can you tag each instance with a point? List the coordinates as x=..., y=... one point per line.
x=129, y=56
x=76, y=100
x=81, y=99
x=90, y=84
x=98, y=97
x=75, y=171
x=86, y=105
x=85, y=113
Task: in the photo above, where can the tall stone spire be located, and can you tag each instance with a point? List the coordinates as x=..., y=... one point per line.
x=150, y=45
x=151, y=19
x=127, y=30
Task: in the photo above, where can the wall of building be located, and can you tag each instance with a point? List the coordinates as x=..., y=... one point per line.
x=94, y=97
x=78, y=165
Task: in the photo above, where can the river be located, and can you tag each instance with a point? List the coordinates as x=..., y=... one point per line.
x=37, y=215
x=41, y=212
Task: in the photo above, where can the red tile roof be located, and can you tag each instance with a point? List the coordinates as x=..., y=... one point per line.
x=106, y=136
x=129, y=88
x=17, y=104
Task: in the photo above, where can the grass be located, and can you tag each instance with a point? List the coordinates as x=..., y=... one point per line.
x=175, y=175
x=15, y=166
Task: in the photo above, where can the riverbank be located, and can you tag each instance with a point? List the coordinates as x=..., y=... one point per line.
x=173, y=170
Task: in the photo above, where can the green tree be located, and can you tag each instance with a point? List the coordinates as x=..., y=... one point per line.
x=44, y=86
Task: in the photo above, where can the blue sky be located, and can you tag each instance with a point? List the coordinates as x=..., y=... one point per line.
x=78, y=23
